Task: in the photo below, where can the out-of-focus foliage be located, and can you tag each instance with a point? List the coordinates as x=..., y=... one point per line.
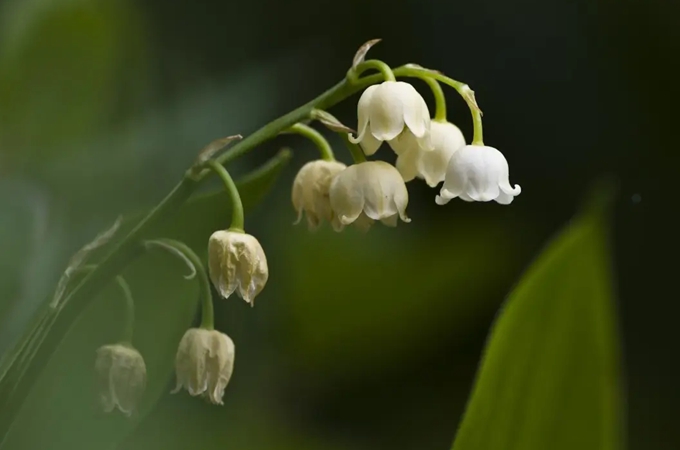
x=61, y=68
x=370, y=301
x=550, y=377
x=64, y=397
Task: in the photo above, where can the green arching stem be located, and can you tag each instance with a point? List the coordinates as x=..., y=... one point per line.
x=439, y=99
x=237, y=218
x=57, y=322
x=129, y=327
x=207, y=311
x=376, y=64
x=357, y=153
x=462, y=88
x=317, y=138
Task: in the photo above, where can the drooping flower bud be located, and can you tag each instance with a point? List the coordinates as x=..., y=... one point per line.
x=478, y=173
x=386, y=110
x=431, y=165
x=236, y=261
x=121, y=375
x=369, y=191
x=310, y=192
x=204, y=363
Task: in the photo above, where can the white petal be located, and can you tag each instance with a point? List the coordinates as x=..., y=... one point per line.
x=407, y=165
x=346, y=196
x=456, y=179
x=363, y=114
x=380, y=182
x=504, y=199
x=446, y=140
x=416, y=114
x=369, y=144
x=482, y=173
x=442, y=199
x=386, y=111
x=405, y=142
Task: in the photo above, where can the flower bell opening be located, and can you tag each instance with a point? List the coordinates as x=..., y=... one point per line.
x=204, y=364
x=121, y=375
x=369, y=191
x=236, y=261
x=480, y=174
x=386, y=110
x=430, y=165
x=311, y=196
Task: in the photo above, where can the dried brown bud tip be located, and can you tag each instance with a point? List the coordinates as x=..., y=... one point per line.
x=331, y=122
x=361, y=53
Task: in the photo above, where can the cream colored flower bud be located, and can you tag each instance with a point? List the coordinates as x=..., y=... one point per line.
x=204, y=363
x=121, y=375
x=310, y=192
x=236, y=260
x=369, y=191
x=414, y=161
x=386, y=110
x=478, y=173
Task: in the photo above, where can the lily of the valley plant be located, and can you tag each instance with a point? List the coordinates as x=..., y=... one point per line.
x=390, y=114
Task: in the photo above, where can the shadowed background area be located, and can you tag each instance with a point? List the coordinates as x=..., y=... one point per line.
x=358, y=341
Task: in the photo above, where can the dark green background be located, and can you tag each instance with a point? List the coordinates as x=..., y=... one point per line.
x=357, y=341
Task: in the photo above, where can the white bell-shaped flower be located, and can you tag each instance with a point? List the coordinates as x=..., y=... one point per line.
x=121, y=375
x=236, y=260
x=369, y=191
x=204, y=363
x=413, y=161
x=311, y=192
x=478, y=173
x=386, y=110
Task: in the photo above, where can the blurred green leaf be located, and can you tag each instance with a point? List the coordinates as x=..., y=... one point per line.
x=550, y=376
x=61, y=67
x=32, y=239
x=63, y=400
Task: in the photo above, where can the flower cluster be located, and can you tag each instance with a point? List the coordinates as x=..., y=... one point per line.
x=431, y=149
x=324, y=190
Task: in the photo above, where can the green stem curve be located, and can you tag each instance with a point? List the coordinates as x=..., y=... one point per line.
x=317, y=138
x=384, y=69
x=460, y=87
x=129, y=327
x=439, y=99
x=237, y=216
x=207, y=309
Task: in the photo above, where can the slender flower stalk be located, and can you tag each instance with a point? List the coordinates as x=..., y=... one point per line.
x=237, y=217
x=358, y=156
x=439, y=99
x=173, y=246
x=317, y=138
x=129, y=327
x=384, y=69
x=463, y=89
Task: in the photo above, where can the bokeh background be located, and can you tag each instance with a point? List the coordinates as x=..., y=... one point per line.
x=358, y=341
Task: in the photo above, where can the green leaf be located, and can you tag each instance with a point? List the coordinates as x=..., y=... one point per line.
x=64, y=399
x=61, y=63
x=550, y=377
